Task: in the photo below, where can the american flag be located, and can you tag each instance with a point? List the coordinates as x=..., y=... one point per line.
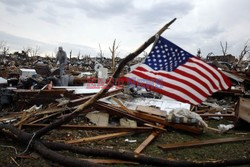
x=173, y=72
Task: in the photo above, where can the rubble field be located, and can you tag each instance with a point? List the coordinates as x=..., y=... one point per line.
x=48, y=120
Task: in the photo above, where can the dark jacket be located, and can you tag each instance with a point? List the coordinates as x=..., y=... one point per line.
x=61, y=56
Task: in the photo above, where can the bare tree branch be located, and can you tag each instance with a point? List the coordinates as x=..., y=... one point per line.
x=224, y=50
x=35, y=51
x=114, y=55
x=4, y=48
x=245, y=50
x=27, y=50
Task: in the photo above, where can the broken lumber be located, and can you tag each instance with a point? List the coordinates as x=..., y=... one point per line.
x=161, y=128
x=43, y=118
x=100, y=137
x=122, y=105
x=202, y=143
x=146, y=142
x=145, y=118
x=217, y=115
x=151, y=110
x=22, y=118
x=84, y=127
x=162, y=121
x=101, y=106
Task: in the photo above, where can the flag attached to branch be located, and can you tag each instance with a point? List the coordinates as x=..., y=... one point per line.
x=173, y=72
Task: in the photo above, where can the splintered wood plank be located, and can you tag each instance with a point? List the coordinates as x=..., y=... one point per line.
x=86, y=127
x=202, y=143
x=162, y=121
x=145, y=118
x=101, y=106
x=43, y=118
x=217, y=115
x=109, y=161
x=161, y=128
x=122, y=106
x=151, y=110
x=50, y=111
x=22, y=118
x=146, y=142
x=100, y=137
x=11, y=116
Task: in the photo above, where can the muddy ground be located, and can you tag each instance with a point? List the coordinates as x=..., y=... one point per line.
x=203, y=153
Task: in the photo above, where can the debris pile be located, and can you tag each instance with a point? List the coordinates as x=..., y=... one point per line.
x=48, y=113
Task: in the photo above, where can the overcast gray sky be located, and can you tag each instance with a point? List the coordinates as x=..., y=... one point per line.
x=82, y=25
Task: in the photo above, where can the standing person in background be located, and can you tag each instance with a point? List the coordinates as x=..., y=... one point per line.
x=61, y=56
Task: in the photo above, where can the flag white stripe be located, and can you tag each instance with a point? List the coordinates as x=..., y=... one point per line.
x=195, y=74
x=175, y=74
x=225, y=86
x=175, y=82
x=190, y=80
x=204, y=71
x=167, y=89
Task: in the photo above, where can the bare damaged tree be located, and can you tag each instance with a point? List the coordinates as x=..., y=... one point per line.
x=245, y=50
x=35, y=51
x=113, y=52
x=4, y=48
x=27, y=50
x=224, y=49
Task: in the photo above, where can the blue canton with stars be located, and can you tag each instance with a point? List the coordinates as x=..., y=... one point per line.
x=166, y=56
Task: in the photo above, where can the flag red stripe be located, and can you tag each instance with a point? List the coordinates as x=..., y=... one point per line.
x=202, y=74
x=195, y=78
x=209, y=70
x=200, y=91
x=169, y=85
x=166, y=93
x=225, y=78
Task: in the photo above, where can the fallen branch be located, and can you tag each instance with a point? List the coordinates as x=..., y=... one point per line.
x=202, y=143
x=26, y=138
x=143, y=159
x=61, y=159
